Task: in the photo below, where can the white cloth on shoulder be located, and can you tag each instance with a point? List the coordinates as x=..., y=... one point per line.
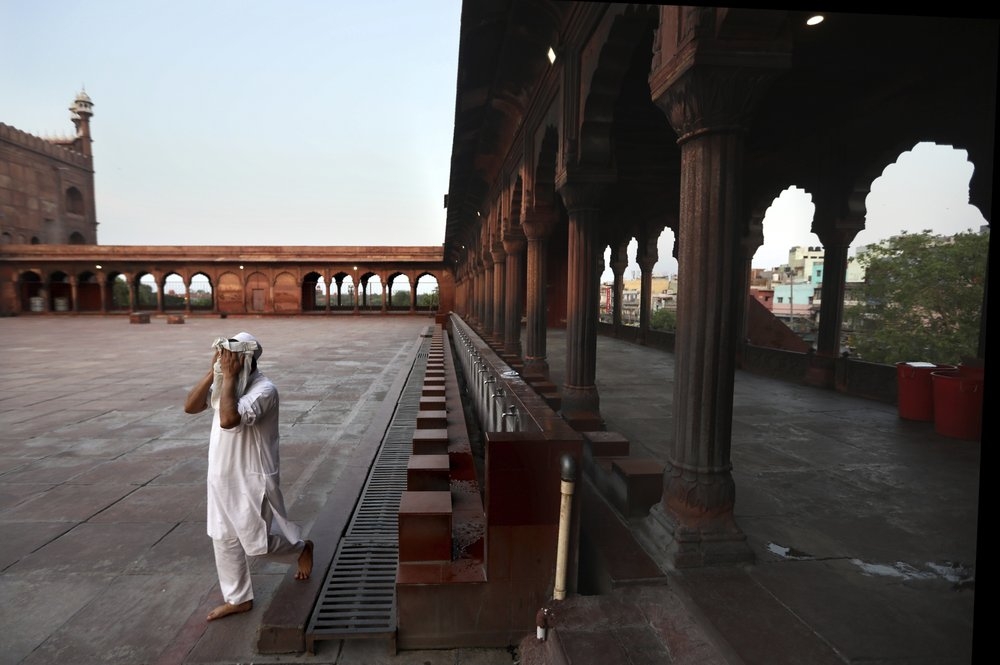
x=250, y=349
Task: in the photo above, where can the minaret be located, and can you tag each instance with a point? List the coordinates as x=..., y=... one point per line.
x=81, y=110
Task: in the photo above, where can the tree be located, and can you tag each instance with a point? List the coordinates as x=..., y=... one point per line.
x=921, y=299
x=663, y=319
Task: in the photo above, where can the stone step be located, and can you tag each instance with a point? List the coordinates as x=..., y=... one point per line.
x=604, y=444
x=632, y=485
x=432, y=419
x=430, y=442
x=637, y=485
x=425, y=526
x=428, y=473
x=433, y=403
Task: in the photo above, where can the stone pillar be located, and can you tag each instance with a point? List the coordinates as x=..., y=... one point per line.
x=749, y=243
x=499, y=287
x=619, y=262
x=159, y=297
x=836, y=238
x=104, y=292
x=708, y=105
x=477, y=292
x=486, y=325
x=413, y=295
x=647, y=260
x=462, y=288
x=582, y=192
x=133, y=289
x=514, y=244
x=538, y=225
x=73, y=294
x=385, y=302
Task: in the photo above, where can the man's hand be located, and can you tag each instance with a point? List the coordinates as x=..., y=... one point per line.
x=231, y=363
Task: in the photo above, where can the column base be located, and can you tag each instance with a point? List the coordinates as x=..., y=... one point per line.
x=535, y=367
x=580, y=408
x=674, y=545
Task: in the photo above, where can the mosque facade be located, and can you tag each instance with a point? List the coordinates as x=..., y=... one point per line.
x=47, y=184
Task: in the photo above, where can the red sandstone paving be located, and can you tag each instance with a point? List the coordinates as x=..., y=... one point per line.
x=102, y=474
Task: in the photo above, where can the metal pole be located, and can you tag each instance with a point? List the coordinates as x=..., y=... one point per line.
x=567, y=473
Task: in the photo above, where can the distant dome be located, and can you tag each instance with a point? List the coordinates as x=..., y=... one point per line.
x=82, y=96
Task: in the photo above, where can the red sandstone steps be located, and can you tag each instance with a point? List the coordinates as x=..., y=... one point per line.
x=548, y=390
x=441, y=515
x=631, y=484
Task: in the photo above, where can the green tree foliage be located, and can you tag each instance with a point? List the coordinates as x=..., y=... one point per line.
x=921, y=299
x=663, y=319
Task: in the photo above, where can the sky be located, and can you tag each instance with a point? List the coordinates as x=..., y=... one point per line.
x=224, y=122
x=314, y=122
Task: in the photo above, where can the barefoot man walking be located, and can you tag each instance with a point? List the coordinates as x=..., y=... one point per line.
x=246, y=511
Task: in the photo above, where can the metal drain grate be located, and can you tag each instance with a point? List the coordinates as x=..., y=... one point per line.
x=359, y=595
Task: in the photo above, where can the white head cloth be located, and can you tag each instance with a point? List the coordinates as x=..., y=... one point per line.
x=245, y=344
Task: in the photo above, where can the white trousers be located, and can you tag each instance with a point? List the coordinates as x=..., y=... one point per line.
x=233, y=567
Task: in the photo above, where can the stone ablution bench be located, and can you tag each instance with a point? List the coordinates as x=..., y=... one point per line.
x=477, y=560
x=476, y=555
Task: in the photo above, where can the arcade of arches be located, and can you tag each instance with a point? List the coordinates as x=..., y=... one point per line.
x=581, y=126
x=222, y=280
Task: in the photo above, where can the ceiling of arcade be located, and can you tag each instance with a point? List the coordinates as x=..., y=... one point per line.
x=857, y=91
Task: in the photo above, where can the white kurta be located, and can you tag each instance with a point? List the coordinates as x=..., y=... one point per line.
x=244, y=473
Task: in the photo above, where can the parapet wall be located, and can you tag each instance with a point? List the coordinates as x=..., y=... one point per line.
x=44, y=147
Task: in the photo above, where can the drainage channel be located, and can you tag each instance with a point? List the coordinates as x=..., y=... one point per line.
x=358, y=599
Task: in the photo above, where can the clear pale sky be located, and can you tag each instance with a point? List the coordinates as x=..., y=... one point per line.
x=312, y=122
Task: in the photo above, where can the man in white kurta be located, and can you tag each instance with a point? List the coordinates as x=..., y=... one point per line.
x=246, y=510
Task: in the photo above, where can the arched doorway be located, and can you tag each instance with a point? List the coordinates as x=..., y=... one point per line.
x=174, y=292
x=147, y=293
x=399, y=292
x=428, y=293
x=200, y=294
x=314, y=292
x=32, y=292
x=60, y=292
x=118, y=297
x=345, y=292
x=88, y=292
x=256, y=292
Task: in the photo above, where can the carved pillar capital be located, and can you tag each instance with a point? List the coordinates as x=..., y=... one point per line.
x=582, y=189
x=839, y=232
x=712, y=99
x=539, y=223
x=514, y=242
x=498, y=253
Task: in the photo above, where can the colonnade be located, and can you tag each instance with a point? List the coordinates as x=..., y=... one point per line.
x=655, y=117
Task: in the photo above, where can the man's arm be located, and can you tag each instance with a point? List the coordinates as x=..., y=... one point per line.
x=197, y=399
x=232, y=365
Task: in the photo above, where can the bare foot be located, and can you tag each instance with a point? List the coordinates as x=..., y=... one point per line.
x=305, y=562
x=229, y=608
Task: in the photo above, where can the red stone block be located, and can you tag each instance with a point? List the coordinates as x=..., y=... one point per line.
x=428, y=473
x=643, y=481
x=432, y=419
x=430, y=442
x=425, y=526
